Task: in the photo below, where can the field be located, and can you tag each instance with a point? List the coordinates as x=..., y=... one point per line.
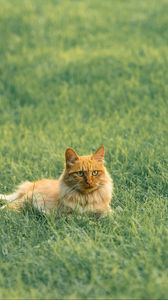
x=82, y=73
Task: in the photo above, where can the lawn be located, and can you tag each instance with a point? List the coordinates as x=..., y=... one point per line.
x=82, y=73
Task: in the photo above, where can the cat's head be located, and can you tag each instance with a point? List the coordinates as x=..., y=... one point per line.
x=85, y=174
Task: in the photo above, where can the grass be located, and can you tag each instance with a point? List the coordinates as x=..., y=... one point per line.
x=82, y=73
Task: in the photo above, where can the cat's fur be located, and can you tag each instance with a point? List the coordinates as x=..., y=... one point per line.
x=85, y=186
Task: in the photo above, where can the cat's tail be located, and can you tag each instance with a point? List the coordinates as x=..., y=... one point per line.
x=18, y=196
x=22, y=190
x=9, y=198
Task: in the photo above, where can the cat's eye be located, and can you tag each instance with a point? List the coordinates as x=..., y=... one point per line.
x=95, y=173
x=80, y=173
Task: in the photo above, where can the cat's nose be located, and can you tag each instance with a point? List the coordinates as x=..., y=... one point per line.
x=88, y=182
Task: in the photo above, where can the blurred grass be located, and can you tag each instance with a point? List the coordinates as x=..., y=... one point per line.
x=83, y=73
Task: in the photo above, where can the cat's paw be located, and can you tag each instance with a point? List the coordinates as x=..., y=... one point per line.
x=105, y=213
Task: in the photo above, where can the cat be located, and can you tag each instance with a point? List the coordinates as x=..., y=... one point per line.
x=85, y=185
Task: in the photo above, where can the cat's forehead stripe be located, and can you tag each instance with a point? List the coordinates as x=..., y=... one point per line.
x=86, y=164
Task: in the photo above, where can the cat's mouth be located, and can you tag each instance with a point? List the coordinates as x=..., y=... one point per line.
x=89, y=189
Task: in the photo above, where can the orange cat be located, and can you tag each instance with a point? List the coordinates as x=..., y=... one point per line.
x=85, y=186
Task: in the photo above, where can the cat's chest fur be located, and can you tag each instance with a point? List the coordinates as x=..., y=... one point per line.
x=93, y=201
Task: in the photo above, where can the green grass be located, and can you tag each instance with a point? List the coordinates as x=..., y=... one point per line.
x=82, y=73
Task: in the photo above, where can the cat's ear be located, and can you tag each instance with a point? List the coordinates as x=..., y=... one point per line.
x=70, y=157
x=99, y=154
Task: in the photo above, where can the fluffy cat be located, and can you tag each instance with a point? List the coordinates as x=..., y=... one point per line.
x=85, y=186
